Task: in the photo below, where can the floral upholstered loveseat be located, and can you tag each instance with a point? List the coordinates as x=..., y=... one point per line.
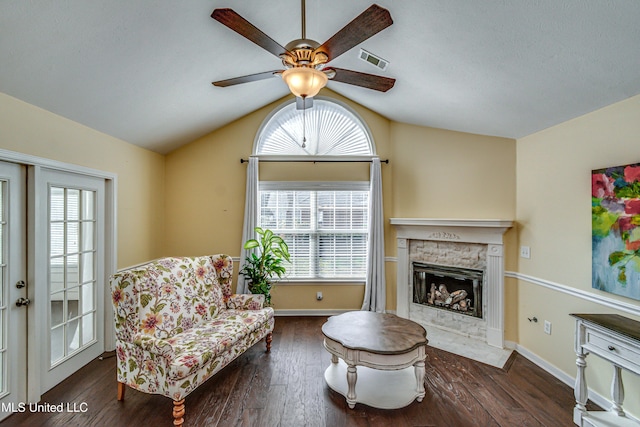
x=177, y=324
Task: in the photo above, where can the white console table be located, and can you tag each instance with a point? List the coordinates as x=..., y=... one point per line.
x=617, y=340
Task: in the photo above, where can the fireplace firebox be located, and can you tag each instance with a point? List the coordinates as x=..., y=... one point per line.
x=448, y=288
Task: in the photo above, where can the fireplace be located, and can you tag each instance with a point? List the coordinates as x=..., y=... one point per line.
x=448, y=288
x=466, y=257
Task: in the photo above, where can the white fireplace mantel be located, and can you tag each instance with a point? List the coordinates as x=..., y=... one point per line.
x=452, y=222
x=484, y=231
x=462, y=230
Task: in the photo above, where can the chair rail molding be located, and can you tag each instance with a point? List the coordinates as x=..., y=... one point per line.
x=578, y=293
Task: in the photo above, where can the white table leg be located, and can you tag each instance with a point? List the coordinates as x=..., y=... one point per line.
x=617, y=391
x=334, y=358
x=352, y=376
x=580, y=389
x=419, y=369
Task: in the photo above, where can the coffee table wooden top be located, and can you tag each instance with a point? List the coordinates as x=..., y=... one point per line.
x=375, y=332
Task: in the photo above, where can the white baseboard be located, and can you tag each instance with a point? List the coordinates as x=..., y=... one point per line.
x=330, y=312
x=309, y=312
x=552, y=369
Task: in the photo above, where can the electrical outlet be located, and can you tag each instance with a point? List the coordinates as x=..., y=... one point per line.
x=547, y=327
x=319, y=296
x=525, y=252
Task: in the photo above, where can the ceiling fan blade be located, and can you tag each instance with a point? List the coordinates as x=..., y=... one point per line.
x=369, y=81
x=246, y=29
x=246, y=79
x=365, y=25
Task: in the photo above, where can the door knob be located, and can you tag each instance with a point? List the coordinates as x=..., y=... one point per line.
x=20, y=284
x=22, y=302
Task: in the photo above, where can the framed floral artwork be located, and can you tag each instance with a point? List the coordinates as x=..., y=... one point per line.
x=615, y=230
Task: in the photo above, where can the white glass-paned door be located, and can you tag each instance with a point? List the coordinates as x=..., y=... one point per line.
x=72, y=283
x=13, y=318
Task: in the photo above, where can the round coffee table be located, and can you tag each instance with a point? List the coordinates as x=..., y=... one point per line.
x=390, y=350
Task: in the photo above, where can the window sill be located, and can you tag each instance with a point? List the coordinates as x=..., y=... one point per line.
x=322, y=281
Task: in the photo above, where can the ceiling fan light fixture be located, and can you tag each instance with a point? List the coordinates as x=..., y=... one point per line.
x=304, y=81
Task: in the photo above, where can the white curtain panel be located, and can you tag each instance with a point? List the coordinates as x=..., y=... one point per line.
x=250, y=218
x=375, y=286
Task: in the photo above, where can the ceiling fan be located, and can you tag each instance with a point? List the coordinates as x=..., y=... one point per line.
x=305, y=60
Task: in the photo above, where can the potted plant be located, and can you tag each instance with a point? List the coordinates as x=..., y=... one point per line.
x=262, y=266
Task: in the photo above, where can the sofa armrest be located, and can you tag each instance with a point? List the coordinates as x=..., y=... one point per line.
x=154, y=345
x=245, y=301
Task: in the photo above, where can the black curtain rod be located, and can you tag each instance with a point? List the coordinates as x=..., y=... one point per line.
x=315, y=161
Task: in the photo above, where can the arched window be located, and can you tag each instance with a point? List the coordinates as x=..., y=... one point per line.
x=325, y=223
x=326, y=129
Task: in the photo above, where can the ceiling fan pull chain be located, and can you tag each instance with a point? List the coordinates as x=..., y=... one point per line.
x=304, y=114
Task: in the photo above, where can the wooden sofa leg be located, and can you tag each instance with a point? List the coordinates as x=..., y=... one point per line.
x=121, y=388
x=178, y=412
x=268, y=339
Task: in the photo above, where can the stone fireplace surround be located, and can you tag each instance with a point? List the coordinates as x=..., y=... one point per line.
x=484, y=239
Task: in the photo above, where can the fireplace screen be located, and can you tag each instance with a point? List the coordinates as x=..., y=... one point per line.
x=448, y=288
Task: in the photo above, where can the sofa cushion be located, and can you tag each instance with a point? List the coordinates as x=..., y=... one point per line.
x=250, y=319
x=193, y=349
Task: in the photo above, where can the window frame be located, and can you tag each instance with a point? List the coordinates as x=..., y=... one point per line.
x=285, y=152
x=316, y=186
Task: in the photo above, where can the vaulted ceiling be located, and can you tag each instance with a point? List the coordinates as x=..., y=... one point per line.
x=142, y=70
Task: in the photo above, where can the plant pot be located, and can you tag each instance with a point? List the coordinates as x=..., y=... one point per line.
x=263, y=288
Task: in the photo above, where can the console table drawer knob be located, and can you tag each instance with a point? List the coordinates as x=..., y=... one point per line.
x=611, y=348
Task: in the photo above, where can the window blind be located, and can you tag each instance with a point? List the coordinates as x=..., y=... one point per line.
x=324, y=224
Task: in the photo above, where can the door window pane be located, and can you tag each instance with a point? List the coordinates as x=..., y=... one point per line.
x=57, y=204
x=88, y=273
x=71, y=271
x=73, y=202
x=57, y=309
x=73, y=302
x=88, y=303
x=57, y=343
x=73, y=336
x=56, y=274
x=88, y=333
x=56, y=238
x=71, y=236
x=88, y=236
x=88, y=205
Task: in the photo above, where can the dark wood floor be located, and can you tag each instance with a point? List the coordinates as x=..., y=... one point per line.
x=286, y=388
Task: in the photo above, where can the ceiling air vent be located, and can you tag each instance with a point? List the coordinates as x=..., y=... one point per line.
x=373, y=59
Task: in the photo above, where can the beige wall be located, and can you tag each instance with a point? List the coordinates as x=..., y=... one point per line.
x=34, y=131
x=447, y=174
x=207, y=178
x=554, y=216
